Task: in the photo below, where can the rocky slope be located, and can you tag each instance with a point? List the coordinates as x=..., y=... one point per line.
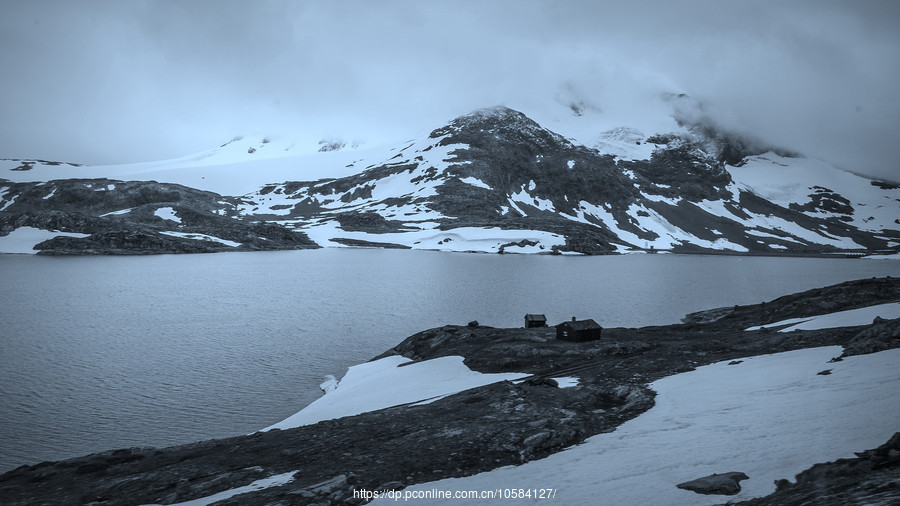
x=472, y=431
x=497, y=181
x=496, y=168
x=136, y=217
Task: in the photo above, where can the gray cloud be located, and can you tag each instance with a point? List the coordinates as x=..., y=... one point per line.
x=105, y=81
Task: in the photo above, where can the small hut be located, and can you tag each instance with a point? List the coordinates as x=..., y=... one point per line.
x=535, y=320
x=578, y=330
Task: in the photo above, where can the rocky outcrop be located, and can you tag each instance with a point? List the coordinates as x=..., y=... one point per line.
x=135, y=217
x=873, y=477
x=817, y=301
x=716, y=484
x=881, y=335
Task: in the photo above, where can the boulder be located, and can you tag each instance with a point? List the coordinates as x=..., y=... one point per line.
x=714, y=484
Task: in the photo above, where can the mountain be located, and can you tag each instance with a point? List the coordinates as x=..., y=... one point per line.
x=493, y=180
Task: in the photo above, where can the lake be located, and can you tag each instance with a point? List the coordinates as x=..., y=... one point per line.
x=99, y=353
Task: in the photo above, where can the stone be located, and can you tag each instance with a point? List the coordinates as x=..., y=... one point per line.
x=716, y=484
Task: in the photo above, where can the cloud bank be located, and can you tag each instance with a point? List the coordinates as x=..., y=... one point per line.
x=104, y=81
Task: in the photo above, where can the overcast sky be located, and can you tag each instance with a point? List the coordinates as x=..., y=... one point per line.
x=120, y=81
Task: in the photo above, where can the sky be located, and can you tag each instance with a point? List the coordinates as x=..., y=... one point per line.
x=122, y=81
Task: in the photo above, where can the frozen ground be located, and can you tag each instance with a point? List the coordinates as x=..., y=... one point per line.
x=770, y=417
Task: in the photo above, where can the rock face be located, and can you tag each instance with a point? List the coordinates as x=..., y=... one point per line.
x=716, y=484
x=138, y=218
x=882, y=335
x=498, y=168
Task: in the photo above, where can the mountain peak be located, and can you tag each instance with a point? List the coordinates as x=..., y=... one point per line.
x=498, y=122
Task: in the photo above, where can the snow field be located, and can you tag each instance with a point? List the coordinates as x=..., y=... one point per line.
x=770, y=416
x=781, y=179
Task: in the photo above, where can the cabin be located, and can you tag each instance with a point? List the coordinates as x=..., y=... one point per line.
x=533, y=321
x=578, y=330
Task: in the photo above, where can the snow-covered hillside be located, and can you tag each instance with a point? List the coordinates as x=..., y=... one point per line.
x=497, y=181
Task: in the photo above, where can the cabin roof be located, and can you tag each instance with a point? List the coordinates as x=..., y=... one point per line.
x=530, y=316
x=582, y=324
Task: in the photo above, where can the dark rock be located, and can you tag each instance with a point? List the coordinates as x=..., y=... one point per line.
x=735, y=362
x=542, y=381
x=873, y=477
x=826, y=372
x=716, y=484
x=473, y=323
x=881, y=335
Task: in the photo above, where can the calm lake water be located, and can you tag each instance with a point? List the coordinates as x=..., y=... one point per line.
x=99, y=353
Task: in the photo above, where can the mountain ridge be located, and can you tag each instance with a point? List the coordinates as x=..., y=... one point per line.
x=494, y=180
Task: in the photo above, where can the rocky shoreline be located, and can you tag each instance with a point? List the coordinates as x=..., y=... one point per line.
x=480, y=429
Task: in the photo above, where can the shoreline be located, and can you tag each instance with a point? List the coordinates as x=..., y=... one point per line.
x=473, y=430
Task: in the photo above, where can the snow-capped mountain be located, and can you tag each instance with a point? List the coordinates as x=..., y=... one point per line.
x=493, y=180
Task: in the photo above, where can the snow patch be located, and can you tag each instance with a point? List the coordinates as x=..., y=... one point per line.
x=272, y=481
x=24, y=239
x=201, y=237
x=112, y=213
x=566, y=382
x=848, y=318
x=5, y=206
x=383, y=383
x=474, y=181
x=167, y=213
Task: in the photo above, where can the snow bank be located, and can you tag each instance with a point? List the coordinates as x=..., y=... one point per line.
x=383, y=383
x=849, y=318
x=770, y=417
x=24, y=239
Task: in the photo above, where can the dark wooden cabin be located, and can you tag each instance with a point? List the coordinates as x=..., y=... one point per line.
x=578, y=330
x=535, y=320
